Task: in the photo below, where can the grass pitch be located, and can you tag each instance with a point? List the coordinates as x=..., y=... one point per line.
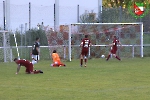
x=128, y=79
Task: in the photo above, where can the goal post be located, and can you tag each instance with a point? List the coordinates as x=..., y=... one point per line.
x=5, y=50
x=130, y=35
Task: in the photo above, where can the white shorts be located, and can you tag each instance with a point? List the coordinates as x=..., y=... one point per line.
x=36, y=57
x=55, y=62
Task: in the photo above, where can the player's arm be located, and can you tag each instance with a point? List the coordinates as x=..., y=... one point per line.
x=18, y=69
x=37, y=48
x=81, y=44
x=111, y=44
x=120, y=43
x=90, y=44
x=31, y=51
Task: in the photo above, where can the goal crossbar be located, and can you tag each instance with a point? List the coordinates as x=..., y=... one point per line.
x=107, y=23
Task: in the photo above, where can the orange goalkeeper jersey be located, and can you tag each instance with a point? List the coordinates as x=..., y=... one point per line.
x=55, y=57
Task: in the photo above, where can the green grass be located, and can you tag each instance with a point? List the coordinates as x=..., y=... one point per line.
x=128, y=79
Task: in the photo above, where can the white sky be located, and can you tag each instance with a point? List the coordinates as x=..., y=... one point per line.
x=87, y=3
x=83, y=3
x=68, y=11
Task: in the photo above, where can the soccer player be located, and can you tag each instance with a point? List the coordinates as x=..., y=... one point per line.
x=36, y=51
x=56, y=60
x=114, y=48
x=28, y=65
x=85, y=44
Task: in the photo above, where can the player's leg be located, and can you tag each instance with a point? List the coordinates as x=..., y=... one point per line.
x=34, y=59
x=30, y=68
x=85, y=57
x=61, y=64
x=55, y=64
x=81, y=57
x=85, y=61
x=51, y=65
x=108, y=56
x=116, y=56
x=38, y=58
x=27, y=71
x=37, y=71
x=81, y=60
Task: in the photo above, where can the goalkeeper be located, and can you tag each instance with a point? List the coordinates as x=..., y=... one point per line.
x=56, y=60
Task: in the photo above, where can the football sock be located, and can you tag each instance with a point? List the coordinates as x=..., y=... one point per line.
x=108, y=57
x=117, y=57
x=85, y=60
x=36, y=71
x=60, y=65
x=81, y=62
x=55, y=65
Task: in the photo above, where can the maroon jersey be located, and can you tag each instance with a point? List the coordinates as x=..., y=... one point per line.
x=85, y=46
x=114, y=47
x=24, y=62
x=86, y=42
x=115, y=42
x=27, y=64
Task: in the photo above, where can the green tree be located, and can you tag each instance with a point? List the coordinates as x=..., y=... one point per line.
x=122, y=3
x=88, y=17
x=18, y=38
x=28, y=38
x=33, y=33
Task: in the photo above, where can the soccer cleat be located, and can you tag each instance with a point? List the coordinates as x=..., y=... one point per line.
x=41, y=71
x=84, y=65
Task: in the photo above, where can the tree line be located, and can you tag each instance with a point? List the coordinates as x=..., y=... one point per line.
x=28, y=38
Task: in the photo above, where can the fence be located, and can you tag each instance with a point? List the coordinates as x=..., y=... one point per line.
x=95, y=51
x=46, y=52
x=59, y=41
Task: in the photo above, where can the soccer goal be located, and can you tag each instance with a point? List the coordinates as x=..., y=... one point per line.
x=5, y=49
x=129, y=34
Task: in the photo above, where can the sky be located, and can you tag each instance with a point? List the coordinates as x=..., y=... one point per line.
x=42, y=11
x=62, y=2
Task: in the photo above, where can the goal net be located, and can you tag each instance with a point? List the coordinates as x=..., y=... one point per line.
x=67, y=38
x=5, y=50
x=58, y=40
x=100, y=34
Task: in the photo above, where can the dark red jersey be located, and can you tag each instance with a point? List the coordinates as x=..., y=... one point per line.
x=24, y=62
x=115, y=42
x=85, y=43
x=114, y=47
x=85, y=46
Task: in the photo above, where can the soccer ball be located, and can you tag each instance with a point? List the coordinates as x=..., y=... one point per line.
x=102, y=56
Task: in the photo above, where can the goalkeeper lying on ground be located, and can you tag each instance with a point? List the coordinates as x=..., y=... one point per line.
x=56, y=60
